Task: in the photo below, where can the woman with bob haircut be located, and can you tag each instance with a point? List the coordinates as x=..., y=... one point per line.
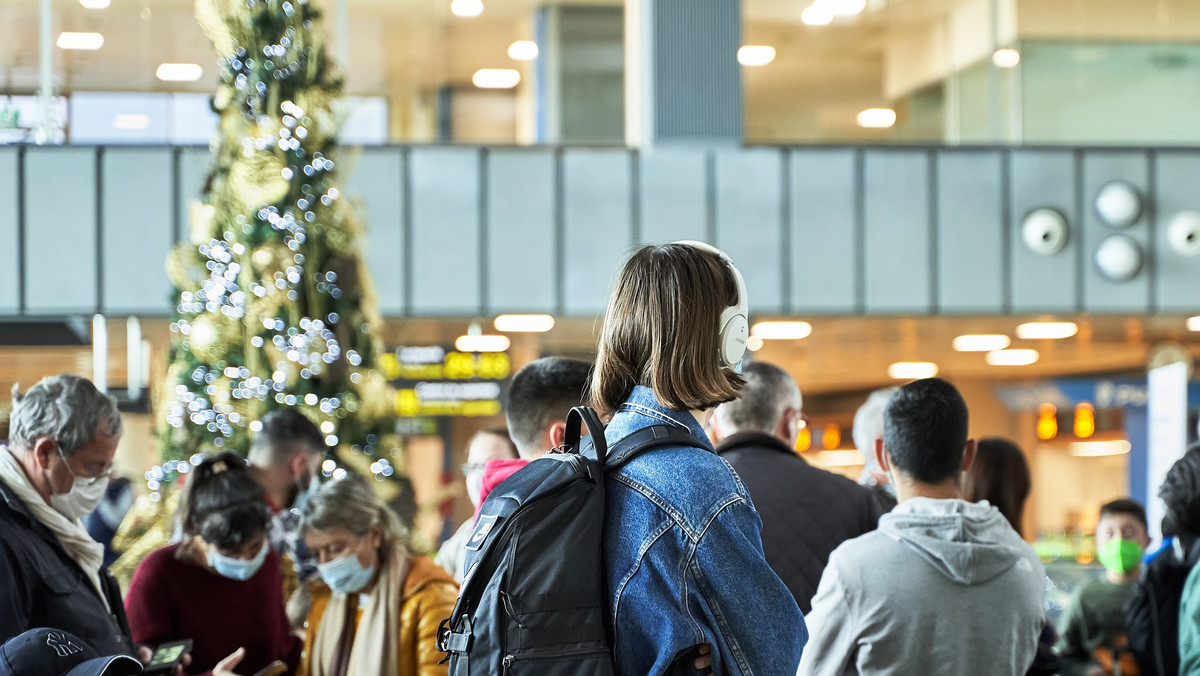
x=381, y=611
x=999, y=475
x=683, y=551
x=222, y=586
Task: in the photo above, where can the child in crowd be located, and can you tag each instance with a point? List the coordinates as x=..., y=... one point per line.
x=1092, y=631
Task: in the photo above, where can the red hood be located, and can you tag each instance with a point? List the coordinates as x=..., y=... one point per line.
x=494, y=473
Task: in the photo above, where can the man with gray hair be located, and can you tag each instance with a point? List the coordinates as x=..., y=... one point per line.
x=63, y=435
x=868, y=428
x=806, y=512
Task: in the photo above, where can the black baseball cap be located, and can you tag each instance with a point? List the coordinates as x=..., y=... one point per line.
x=53, y=652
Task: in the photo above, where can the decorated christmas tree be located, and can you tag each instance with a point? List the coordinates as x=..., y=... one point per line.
x=275, y=308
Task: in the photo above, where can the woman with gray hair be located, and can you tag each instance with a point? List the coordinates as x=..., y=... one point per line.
x=382, y=608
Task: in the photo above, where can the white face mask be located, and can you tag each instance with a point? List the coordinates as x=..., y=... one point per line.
x=85, y=494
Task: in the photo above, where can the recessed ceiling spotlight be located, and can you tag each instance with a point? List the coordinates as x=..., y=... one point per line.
x=466, y=8
x=523, y=50
x=755, y=55
x=781, y=330
x=1006, y=58
x=523, y=323
x=877, y=118
x=95, y=4
x=912, y=370
x=179, y=72
x=981, y=342
x=1023, y=357
x=1046, y=330
x=1094, y=449
x=69, y=40
x=496, y=78
x=816, y=15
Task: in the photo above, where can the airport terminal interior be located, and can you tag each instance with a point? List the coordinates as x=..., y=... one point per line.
x=1001, y=193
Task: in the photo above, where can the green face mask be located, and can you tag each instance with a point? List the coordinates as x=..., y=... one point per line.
x=1119, y=555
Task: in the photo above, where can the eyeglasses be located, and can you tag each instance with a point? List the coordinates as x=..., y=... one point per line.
x=87, y=480
x=468, y=467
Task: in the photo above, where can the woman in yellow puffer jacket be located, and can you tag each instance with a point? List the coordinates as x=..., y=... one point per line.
x=380, y=608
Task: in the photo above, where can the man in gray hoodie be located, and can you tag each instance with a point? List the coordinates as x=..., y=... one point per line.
x=944, y=586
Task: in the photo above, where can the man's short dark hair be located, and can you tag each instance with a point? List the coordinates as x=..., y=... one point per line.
x=1127, y=507
x=541, y=393
x=285, y=432
x=1180, y=492
x=925, y=430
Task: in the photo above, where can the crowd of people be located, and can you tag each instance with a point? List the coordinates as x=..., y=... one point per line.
x=730, y=554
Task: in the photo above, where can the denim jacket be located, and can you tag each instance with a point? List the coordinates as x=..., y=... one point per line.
x=684, y=559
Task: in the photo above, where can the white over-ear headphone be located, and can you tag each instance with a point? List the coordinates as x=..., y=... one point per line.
x=734, y=322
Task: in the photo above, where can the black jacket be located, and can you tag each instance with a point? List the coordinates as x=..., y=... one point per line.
x=1152, y=611
x=40, y=586
x=806, y=512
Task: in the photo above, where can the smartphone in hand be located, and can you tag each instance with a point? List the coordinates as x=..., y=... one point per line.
x=166, y=657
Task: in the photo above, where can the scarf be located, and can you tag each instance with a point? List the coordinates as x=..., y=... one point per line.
x=374, y=651
x=71, y=535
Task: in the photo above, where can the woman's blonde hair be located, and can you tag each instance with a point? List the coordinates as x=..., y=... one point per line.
x=661, y=330
x=350, y=504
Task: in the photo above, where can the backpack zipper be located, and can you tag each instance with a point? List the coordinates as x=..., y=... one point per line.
x=510, y=658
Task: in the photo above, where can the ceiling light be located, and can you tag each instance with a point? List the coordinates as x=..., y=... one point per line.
x=877, y=118
x=1094, y=449
x=1119, y=258
x=523, y=50
x=466, y=8
x=912, y=370
x=131, y=121
x=95, y=4
x=482, y=343
x=754, y=343
x=817, y=15
x=68, y=40
x=496, y=78
x=1046, y=330
x=179, y=72
x=837, y=458
x=981, y=342
x=1011, y=357
x=781, y=330
x=843, y=7
x=1119, y=204
x=524, y=323
x=1193, y=323
x=1006, y=58
x=756, y=55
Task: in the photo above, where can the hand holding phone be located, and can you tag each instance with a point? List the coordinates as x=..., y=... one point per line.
x=167, y=657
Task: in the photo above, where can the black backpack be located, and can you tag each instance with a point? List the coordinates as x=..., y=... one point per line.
x=534, y=599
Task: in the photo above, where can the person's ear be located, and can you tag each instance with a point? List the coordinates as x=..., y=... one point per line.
x=375, y=536
x=298, y=465
x=969, y=455
x=787, y=424
x=45, y=452
x=881, y=457
x=556, y=434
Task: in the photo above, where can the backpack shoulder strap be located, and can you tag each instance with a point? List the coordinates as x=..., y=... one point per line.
x=648, y=438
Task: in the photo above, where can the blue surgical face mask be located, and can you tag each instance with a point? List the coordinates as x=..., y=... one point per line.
x=302, y=495
x=237, y=569
x=346, y=575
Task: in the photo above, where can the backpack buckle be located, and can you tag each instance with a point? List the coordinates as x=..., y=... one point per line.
x=449, y=641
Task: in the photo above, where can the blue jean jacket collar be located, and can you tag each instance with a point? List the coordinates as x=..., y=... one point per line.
x=642, y=409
